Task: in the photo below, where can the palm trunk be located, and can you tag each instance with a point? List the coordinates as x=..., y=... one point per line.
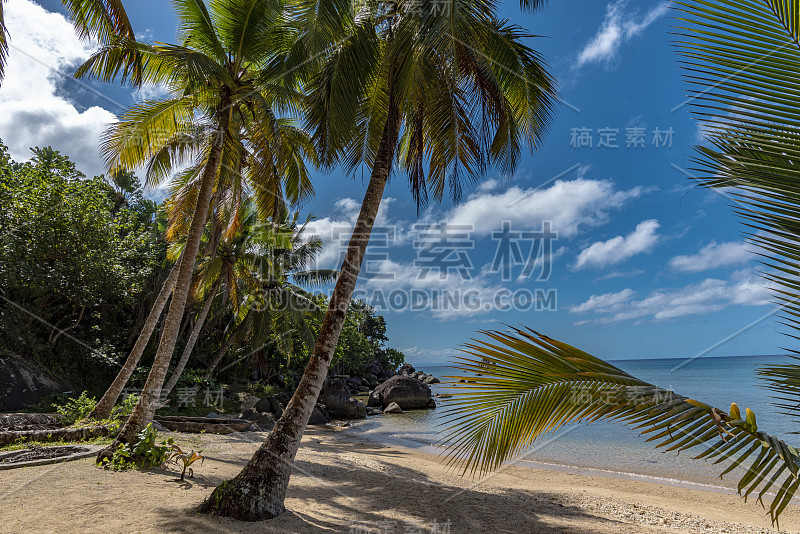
x=259, y=490
x=149, y=400
x=187, y=351
x=106, y=404
x=224, y=350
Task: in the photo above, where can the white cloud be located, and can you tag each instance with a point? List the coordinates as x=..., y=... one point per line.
x=712, y=256
x=618, y=27
x=620, y=248
x=604, y=303
x=335, y=230
x=569, y=205
x=44, y=50
x=708, y=296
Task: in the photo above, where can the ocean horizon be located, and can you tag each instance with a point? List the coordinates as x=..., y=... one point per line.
x=611, y=448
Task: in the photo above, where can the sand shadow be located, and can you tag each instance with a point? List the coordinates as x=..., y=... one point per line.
x=358, y=500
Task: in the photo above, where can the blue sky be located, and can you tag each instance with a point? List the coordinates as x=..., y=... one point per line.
x=644, y=265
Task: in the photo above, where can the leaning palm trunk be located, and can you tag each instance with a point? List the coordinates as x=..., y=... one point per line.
x=109, y=399
x=190, y=343
x=223, y=351
x=149, y=400
x=259, y=490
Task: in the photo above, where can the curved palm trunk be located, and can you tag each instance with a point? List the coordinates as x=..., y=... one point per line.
x=224, y=350
x=187, y=351
x=106, y=404
x=259, y=490
x=149, y=400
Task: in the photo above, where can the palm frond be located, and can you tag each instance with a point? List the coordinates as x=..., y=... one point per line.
x=523, y=385
x=99, y=19
x=742, y=59
x=3, y=43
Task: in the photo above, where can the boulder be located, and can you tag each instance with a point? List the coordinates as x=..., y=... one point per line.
x=270, y=405
x=23, y=384
x=409, y=393
x=393, y=408
x=374, y=411
x=336, y=397
x=432, y=380
x=431, y=403
x=213, y=415
x=317, y=417
x=247, y=401
x=264, y=420
x=406, y=369
x=373, y=368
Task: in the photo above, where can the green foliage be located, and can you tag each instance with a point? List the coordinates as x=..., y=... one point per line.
x=77, y=409
x=147, y=453
x=261, y=390
x=125, y=408
x=523, y=385
x=395, y=358
x=77, y=258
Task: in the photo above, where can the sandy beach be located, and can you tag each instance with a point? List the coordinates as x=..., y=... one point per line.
x=347, y=486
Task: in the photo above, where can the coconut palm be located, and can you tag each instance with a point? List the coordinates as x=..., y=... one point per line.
x=219, y=79
x=276, y=313
x=744, y=93
x=395, y=84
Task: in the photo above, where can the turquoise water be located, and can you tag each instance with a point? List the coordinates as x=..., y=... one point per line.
x=608, y=448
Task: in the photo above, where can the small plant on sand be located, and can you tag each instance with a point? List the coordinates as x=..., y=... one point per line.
x=76, y=409
x=185, y=460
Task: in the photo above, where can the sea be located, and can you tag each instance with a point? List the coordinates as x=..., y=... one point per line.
x=613, y=449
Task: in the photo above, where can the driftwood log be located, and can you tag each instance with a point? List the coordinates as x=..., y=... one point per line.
x=211, y=425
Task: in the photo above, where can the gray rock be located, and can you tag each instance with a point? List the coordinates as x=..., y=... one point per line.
x=393, y=408
x=374, y=411
x=336, y=397
x=213, y=415
x=317, y=417
x=270, y=405
x=159, y=427
x=432, y=380
x=406, y=369
x=409, y=393
x=23, y=384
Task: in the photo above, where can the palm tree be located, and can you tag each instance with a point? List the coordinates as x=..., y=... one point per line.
x=395, y=81
x=744, y=93
x=218, y=78
x=275, y=313
x=228, y=267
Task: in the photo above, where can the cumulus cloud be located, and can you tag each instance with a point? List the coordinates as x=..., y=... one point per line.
x=618, y=27
x=570, y=205
x=710, y=295
x=43, y=51
x=620, y=248
x=712, y=256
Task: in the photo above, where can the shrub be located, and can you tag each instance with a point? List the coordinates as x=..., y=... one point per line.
x=77, y=409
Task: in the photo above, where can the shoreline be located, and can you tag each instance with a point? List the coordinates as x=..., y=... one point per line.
x=342, y=483
x=655, y=477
